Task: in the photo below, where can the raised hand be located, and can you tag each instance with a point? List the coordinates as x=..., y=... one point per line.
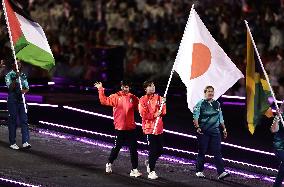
x=98, y=85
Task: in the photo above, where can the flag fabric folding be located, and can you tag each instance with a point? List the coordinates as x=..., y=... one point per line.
x=257, y=90
x=29, y=40
x=201, y=62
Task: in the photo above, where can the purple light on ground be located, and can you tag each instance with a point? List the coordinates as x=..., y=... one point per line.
x=95, y=143
x=36, y=85
x=167, y=148
x=17, y=182
x=76, y=129
x=32, y=98
x=234, y=103
x=268, y=179
x=171, y=158
x=171, y=132
x=52, y=134
x=234, y=172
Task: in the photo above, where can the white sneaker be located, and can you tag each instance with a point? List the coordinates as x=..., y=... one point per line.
x=147, y=166
x=152, y=175
x=14, y=146
x=27, y=145
x=135, y=173
x=223, y=175
x=108, y=168
x=200, y=174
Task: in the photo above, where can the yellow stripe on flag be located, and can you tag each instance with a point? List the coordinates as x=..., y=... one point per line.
x=250, y=84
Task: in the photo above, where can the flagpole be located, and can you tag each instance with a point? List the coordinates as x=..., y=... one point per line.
x=265, y=74
x=166, y=91
x=162, y=104
x=14, y=53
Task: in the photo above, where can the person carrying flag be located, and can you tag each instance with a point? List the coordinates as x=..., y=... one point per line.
x=149, y=109
x=16, y=106
x=278, y=143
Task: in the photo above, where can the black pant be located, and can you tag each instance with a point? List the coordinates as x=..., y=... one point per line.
x=17, y=110
x=125, y=137
x=155, y=143
x=280, y=175
x=214, y=142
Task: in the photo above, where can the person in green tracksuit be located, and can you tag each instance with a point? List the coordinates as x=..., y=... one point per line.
x=207, y=118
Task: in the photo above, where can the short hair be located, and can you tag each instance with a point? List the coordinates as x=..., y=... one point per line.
x=125, y=83
x=208, y=87
x=147, y=83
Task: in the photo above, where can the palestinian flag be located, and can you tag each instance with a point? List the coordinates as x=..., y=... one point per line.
x=29, y=40
x=257, y=89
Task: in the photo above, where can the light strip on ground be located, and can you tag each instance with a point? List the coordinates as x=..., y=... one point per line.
x=233, y=97
x=52, y=134
x=242, y=98
x=139, y=124
x=167, y=148
x=16, y=182
x=38, y=104
x=171, y=132
x=76, y=129
x=234, y=103
x=34, y=104
x=172, y=159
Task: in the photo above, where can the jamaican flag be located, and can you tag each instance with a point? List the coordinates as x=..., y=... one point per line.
x=257, y=89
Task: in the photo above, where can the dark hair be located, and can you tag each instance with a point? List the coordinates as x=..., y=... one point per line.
x=208, y=87
x=125, y=83
x=147, y=83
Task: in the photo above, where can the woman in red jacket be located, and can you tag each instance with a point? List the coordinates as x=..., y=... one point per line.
x=124, y=103
x=149, y=106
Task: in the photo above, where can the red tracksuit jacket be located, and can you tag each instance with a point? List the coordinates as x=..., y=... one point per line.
x=123, y=108
x=149, y=105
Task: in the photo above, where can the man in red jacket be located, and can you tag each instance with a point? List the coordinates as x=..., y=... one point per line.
x=124, y=103
x=149, y=106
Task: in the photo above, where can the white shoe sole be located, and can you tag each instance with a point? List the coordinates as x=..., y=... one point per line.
x=131, y=175
x=153, y=178
x=222, y=178
x=14, y=148
x=202, y=177
x=27, y=147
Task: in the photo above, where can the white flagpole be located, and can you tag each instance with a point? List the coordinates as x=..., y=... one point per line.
x=265, y=74
x=165, y=94
x=162, y=104
x=14, y=53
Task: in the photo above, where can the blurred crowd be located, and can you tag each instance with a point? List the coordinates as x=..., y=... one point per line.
x=150, y=31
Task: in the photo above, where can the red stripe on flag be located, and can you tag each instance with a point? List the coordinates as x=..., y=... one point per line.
x=14, y=23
